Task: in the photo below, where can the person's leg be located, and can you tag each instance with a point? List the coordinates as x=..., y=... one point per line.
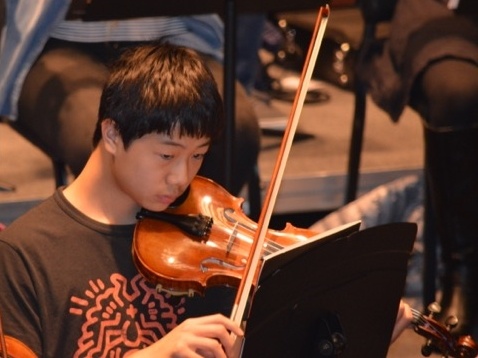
x=447, y=98
x=59, y=104
x=249, y=40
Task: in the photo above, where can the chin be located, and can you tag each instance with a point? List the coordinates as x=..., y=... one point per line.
x=156, y=206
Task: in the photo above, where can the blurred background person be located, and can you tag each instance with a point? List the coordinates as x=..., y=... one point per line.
x=430, y=62
x=54, y=66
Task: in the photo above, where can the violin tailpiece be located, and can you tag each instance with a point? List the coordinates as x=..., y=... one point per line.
x=197, y=225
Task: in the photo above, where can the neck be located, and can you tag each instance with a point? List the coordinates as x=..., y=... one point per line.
x=95, y=193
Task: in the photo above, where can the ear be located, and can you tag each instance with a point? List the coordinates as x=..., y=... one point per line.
x=110, y=135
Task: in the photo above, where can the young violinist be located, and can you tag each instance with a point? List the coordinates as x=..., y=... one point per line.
x=69, y=286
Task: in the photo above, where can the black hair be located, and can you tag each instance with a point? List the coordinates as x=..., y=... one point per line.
x=161, y=87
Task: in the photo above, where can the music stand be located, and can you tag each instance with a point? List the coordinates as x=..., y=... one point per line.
x=338, y=298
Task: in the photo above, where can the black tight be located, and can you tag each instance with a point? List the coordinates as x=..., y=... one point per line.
x=446, y=95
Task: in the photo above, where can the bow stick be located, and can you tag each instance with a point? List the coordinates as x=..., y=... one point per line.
x=245, y=287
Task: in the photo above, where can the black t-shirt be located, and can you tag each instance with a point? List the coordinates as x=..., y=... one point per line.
x=69, y=287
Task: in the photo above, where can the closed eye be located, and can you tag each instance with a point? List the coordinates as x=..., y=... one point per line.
x=199, y=156
x=166, y=156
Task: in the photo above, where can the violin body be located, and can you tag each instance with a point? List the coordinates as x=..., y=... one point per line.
x=181, y=263
x=16, y=349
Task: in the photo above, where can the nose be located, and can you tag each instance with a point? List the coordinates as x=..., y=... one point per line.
x=180, y=175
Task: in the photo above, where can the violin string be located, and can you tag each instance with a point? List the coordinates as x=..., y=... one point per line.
x=269, y=247
x=420, y=318
x=272, y=247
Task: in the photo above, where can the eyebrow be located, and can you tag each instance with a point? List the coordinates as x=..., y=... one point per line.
x=176, y=144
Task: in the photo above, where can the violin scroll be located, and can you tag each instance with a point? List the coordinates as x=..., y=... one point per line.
x=439, y=337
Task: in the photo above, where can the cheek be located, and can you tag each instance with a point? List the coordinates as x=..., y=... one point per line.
x=136, y=176
x=195, y=165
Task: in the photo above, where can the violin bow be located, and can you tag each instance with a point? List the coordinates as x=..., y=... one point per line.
x=245, y=287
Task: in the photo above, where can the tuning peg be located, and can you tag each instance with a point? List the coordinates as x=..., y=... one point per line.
x=433, y=309
x=427, y=350
x=451, y=322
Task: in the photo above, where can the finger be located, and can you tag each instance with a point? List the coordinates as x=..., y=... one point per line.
x=229, y=324
x=404, y=318
x=209, y=348
x=215, y=327
x=234, y=349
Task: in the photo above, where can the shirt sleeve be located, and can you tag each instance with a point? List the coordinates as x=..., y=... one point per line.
x=18, y=304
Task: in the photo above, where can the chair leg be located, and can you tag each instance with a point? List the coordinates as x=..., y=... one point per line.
x=430, y=251
x=60, y=173
x=360, y=92
x=355, y=150
x=254, y=192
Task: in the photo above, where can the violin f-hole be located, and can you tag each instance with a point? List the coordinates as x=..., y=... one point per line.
x=218, y=262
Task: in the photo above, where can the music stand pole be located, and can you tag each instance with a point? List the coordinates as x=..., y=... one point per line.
x=229, y=88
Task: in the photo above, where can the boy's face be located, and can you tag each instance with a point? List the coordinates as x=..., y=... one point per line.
x=157, y=168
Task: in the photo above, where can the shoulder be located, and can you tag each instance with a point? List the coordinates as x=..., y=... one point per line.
x=36, y=220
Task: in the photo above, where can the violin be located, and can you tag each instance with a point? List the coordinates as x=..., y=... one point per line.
x=15, y=349
x=439, y=337
x=213, y=243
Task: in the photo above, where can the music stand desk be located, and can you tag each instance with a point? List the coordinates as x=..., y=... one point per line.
x=338, y=297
